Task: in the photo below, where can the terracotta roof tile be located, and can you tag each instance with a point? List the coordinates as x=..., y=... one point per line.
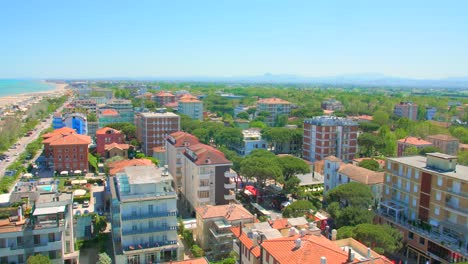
x=109, y=112
x=183, y=138
x=187, y=96
x=360, y=174
x=280, y=223
x=414, y=141
x=107, y=130
x=71, y=139
x=163, y=93
x=189, y=100
x=230, y=212
x=159, y=149
x=272, y=100
x=116, y=145
x=207, y=155
x=192, y=261
x=172, y=105
x=246, y=241
x=119, y=166
x=332, y=158
x=60, y=131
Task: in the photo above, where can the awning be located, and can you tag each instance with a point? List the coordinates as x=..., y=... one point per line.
x=49, y=210
x=64, y=173
x=79, y=182
x=27, y=175
x=79, y=192
x=77, y=172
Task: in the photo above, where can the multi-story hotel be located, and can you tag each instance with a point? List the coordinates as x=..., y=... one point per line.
x=330, y=136
x=153, y=128
x=275, y=106
x=252, y=139
x=162, y=98
x=175, y=148
x=447, y=144
x=406, y=109
x=191, y=106
x=426, y=198
x=144, y=216
x=46, y=230
x=124, y=108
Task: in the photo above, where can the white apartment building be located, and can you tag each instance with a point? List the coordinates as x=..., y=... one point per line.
x=252, y=140
x=144, y=216
x=191, y=106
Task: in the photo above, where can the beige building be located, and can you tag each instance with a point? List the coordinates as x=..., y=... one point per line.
x=447, y=144
x=275, y=106
x=115, y=149
x=426, y=198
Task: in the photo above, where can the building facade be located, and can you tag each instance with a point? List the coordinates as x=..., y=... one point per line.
x=330, y=136
x=123, y=107
x=189, y=105
x=153, y=128
x=107, y=135
x=144, y=216
x=408, y=142
x=425, y=197
x=252, y=139
x=332, y=104
x=275, y=106
x=406, y=109
x=162, y=98
x=430, y=113
x=175, y=148
x=447, y=144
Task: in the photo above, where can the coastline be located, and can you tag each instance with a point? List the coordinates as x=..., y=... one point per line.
x=60, y=89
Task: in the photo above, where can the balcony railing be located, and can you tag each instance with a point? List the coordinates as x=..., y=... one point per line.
x=204, y=176
x=149, y=215
x=149, y=230
x=150, y=245
x=229, y=196
x=456, y=207
x=229, y=185
x=228, y=174
x=459, y=193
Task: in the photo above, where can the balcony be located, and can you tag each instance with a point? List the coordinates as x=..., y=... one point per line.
x=149, y=215
x=457, y=208
x=458, y=192
x=229, y=174
x=204, y=188
x=148, y=245
x=204, y=200
x=229, y=185
x=230, y=196
x=48, y=246
x=204, y=176
x=147, y=230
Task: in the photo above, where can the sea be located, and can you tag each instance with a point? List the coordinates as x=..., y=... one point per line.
x=13, y=87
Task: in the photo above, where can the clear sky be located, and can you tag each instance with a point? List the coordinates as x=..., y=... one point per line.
x=97, y=38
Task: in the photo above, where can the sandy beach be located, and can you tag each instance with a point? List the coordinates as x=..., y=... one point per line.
x=60, y=89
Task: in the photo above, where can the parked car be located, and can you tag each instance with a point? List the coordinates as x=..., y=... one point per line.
x=86, y=203
x=75, y=205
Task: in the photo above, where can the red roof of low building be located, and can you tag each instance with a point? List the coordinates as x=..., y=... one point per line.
x=189, y=100
x=107, y=130
x=116, y=145
x=207, y=155
x=192, y=261
x=362, y=175
x=246, y=241
x=230, y=212
x=60, y=131
x=163, y=93
x=172, y=105
x=184, y=139
x=280, y=223
x=272, y=100
x=119, y=166
x=71, y=139
x=109, y=112
x=159, y=149
x=414, y=141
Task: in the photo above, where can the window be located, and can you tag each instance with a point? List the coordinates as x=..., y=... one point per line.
x=134, y=227
x=150, y=208
x=422, y=240
x=389, y=165
x=410, y=235
x=388, y=178
x=439, y=180
x=437, y=210
x=203, y=194
x=438, y=195
x=414, y=202
x=416, y=174
x=415, y=188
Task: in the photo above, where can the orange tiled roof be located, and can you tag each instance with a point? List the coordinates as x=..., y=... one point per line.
x=71, y=139
x=332, y=158
x=109, y=112
x=208, y=155
x=163, y=93
x=361, y=174
x=192, y=261
x=172, y=105
x=105, y=130
x=231, y=212
x=442, y=137
x=272, y=100
x=182, y=137
x=159, y=149
x=280, y=223
x=60, y=131
x=246, y=241
x=414, y=141
x=118, y=166
x=189, y=100
x=187, y=96
x=116, y=145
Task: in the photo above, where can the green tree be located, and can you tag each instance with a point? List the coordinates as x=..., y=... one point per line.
x=104, y=259
x=197, y=251
x=257, y=124
x=411, y=151
x=291, y=166
x=298, y=208
x=370, y=144
x=261, y=165
x=91, y=117
x=291, y=185
x=463, y=158
x=243, y=115
x=352, y=216
x=429, y=149
x=128, y=129
x=380, y=117
x=369, y=164
x=351, y=194
x=382, y=238
x=38, y=259
x=99, y=223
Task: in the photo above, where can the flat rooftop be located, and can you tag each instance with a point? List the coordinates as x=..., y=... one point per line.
x=154, y=114
x=146, y=174
x=461, y=172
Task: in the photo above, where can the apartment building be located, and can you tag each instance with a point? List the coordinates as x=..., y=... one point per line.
x=332, y=104
x=338, y=173
x=189, y=105
x=162, y=98
x=107, y=135
x=47, y=230
x=447, y=144
x=66, y=150
x=206, y=177
x=175, y=148
x=252, y=139
x=430, y=113
x=329, y=135
x=213, y=227
x=275, y=106
x=408, y=142
x=153, y=128
x=426, y=198
x=406, y=109
x=123, y=107
x=144, y=216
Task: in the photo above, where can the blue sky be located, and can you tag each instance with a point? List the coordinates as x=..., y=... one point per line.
x=78, y=39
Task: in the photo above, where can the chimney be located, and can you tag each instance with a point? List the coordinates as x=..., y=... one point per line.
x=368, y=253
x=323, y=260
x=20, y=213
x=333, y=234
x=298, y=243
x=303, y=232
x=255, y=238
x=350, y=256
x=292, y=231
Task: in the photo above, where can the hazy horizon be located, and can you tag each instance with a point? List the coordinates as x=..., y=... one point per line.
x=213, y=39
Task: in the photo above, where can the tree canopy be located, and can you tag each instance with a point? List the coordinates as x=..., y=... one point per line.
x=298, y=208
x=369, y=164
x=38, y=259
x=128, y=129
x=261, y=165
x=351, y=194
x=291, y=166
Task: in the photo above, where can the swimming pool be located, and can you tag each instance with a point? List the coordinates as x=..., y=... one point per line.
x=45, y=188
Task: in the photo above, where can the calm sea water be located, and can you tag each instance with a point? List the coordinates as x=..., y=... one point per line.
x=12, y=87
